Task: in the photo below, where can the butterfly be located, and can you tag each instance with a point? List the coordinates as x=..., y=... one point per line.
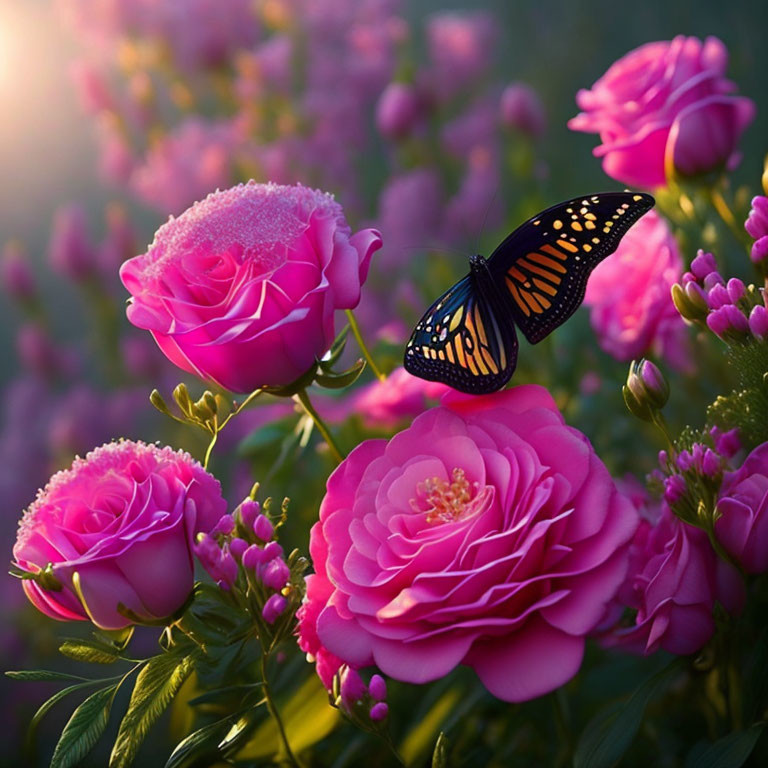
x=535, y=280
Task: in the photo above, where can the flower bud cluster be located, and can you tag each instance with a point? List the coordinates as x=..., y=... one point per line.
x=733, y=311
x=757, y=227
x=364, y=704
x=691, y=478
x=240, y=553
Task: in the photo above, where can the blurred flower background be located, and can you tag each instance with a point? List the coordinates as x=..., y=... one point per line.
x=442, y=124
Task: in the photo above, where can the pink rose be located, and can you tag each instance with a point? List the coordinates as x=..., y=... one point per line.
x=488, y=533
x=665, y=104
x=400, y=396
x=117, y=528
x=629, y=293
x=742, y=523
x=241, y=289
x=673, y=581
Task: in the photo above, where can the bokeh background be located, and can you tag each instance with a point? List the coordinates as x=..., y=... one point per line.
x=49, y=157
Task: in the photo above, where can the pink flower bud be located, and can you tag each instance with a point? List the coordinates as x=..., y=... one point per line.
x=16, y=273
x=377, y=688
x=712, y=279
x=684, y=461
x=663, y=458
x=263, y=528
x=272, y=550
x=273, y=608
x=227, y=568
x=249, y=509
x=728, y=322
x=674, y=489
x=352, y=687
x=238, y=547
x=703, y=265
x=757, y=223
x=736, y=289
x=711, y=463
x=655, y=385
x=726, y=443
x=70, y=251
x=759, y=251
x=718, y=297
x=275, y=574
x=253, y=557
x=522, y=109
x=379, y=712
x=758, y=322
x=398, y=111
x=225, y=526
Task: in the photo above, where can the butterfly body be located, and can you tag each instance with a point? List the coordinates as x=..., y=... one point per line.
x=535, y=280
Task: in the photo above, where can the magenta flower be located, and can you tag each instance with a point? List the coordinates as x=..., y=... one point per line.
x=399, y=110
x=488, y=533
x=673, y=581
x=117, y=527
x=665, y=105
x=629, y=295
x=185, y=165
x=241, y=289
x=521, y=108
x=742, y=509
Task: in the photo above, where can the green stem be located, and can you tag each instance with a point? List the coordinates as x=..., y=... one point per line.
x=363, y=348
x=209, y=450
x=724, y=211
x=661, y=423
x=218, y=427
x=303, y=398
x=273, y=711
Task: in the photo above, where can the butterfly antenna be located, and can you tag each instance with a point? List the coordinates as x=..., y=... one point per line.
x=485, y=217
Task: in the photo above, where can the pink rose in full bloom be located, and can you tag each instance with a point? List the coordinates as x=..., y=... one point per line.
x=742, y=523
x=665, y=105
x=242, y=288
x=117, y=527
x=673, y=580
x=629, y=295
x=488, y=534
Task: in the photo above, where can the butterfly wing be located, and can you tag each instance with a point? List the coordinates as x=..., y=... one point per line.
x=544, y=264
x=461, y=342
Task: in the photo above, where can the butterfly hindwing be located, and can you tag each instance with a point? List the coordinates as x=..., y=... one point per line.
x=544, y=264
x=463, y=341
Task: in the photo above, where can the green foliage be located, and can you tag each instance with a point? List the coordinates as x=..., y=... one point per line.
x=84, y=728
x=609, y=734
x=732, y=751
x=156, y=685
x=92, y=651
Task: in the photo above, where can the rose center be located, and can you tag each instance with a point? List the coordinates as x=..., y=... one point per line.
x=444, y=501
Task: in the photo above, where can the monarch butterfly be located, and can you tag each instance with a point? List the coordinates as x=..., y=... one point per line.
x=535, y=279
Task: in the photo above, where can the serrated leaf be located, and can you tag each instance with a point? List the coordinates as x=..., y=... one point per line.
x=55, y=699
x=732, y=751
x=156, y=685
x=89, y=650
x=609, y=734
x=42, y=675
x=84, y=728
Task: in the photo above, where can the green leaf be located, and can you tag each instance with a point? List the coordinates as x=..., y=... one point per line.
x=440, y=754
x=418, y=741
x=43, y=675
x=342, y=379
x=307, y=716
x=731, y=751
x=119, y=638
x=84, y=728
x=156, y=685
x=89, y=650
x=609, y=734
x=55, y=699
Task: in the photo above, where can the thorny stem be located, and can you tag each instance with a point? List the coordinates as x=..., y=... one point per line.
x=363, y=348
x=273, y=711
x=303, y=398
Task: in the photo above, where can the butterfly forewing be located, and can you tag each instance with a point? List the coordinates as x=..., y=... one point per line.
x=544, y=264
x=463, y=342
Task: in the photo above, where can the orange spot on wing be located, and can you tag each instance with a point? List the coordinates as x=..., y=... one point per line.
x=518, y=298
x=545, y=261
x=545, y=286
x=568, y=246
x=552, y=251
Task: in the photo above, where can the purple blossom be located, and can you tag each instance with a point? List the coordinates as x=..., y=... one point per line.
x=274, y=606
